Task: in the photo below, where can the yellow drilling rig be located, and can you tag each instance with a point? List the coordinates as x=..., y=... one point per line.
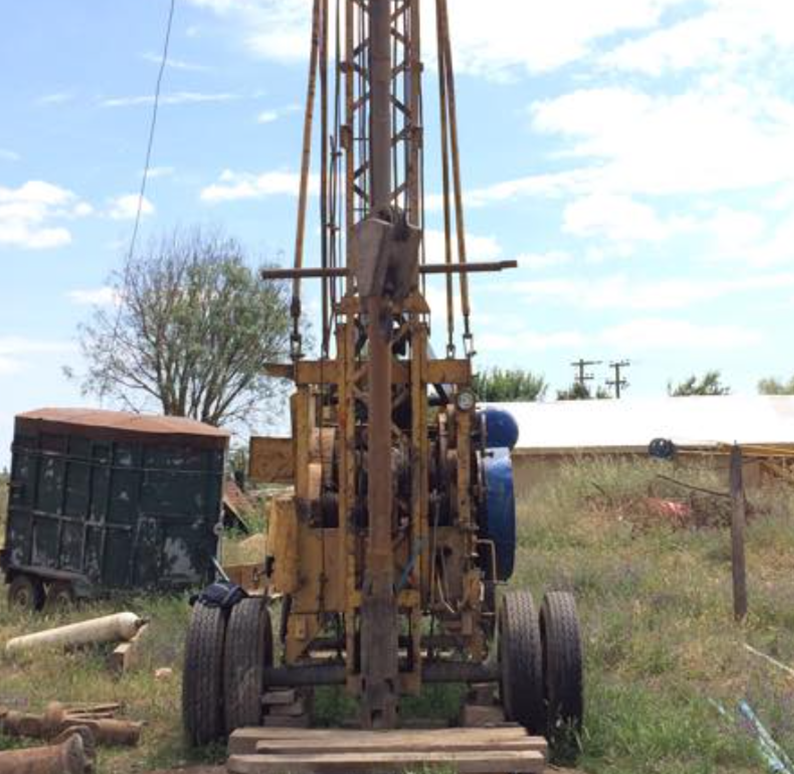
x=386, y=556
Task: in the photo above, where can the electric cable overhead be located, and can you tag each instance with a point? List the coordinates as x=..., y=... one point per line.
x=144, y=179
x=152, y=130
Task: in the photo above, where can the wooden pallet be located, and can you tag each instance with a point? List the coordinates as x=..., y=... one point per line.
x=506, y=749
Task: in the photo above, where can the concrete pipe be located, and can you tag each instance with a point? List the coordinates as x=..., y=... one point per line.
x=120, y=627
x=69, y=757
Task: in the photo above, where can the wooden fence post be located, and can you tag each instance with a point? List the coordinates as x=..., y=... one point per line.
x=738, y=521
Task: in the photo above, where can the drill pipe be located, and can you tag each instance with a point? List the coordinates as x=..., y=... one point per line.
x=119, y=733
x=69, y=757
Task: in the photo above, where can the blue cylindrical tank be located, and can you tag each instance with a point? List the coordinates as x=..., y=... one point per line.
x=501, y=428
x=500, y=510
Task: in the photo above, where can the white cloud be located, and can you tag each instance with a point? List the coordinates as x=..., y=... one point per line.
x=125, y=207
x=177, y=98
x=9, y=155
x=56, y=98
x=105, y=296
x=514, y=36
x=274, y=114
x=478, y=248
x=175, y=64
x=703, y=140
x=527, y=340
x=236, y=186
x=618, y=218
x=27, y=215
x=155, y=172
x=646, y=334
x=548, y=260
x=726, y=35
x=619, y=292
x=15, y=351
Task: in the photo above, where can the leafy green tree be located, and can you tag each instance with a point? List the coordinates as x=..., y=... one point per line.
x=708, y=384
x=774, y=386
x=579, y=391
x=509, y=386
x=193, y=326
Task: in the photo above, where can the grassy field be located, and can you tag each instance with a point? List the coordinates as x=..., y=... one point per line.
x=656, y=607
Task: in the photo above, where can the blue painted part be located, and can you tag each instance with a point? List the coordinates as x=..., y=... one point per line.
x=501, y=429
x=500, y=510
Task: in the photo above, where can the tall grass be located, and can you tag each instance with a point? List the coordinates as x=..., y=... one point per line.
x=656, y=611
x=656, y=607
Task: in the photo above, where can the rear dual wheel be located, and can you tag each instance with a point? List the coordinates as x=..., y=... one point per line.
x=226, y=653
x=202, y=680
x=249, y=649
x=562, y=665
x=541, y=663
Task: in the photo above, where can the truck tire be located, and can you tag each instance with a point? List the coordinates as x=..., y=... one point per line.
x=521, y=662
x=562, y=664
x=26, y=594
x=249, y=649
x=60, y=598
x=202, y=680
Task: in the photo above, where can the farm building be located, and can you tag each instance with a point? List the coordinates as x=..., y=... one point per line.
x=552, y=433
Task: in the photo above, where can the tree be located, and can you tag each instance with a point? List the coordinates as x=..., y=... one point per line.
x=191, y=331
x=709, y=384
x=579, y=391
x=773, y=386
x=509, y=386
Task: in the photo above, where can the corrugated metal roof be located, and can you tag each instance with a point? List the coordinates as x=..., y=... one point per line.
x=634, y=423
x=127, y=422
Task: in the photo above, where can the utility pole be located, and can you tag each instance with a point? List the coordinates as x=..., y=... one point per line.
x=581, y=366
x=619, y=383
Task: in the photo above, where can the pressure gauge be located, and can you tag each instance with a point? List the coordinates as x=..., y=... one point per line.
x=466, y=400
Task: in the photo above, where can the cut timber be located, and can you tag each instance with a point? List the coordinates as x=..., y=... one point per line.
x=479, y=716
x=294, y=710
x=492, y=762
x=127, y=656
x=286, y=721
x=247, y=741
x=273, y=698
x=385, y=744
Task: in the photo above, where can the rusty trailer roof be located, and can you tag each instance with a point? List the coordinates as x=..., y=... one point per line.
x=122, y=422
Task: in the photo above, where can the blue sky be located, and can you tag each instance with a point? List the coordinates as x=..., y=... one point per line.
x=635, y=156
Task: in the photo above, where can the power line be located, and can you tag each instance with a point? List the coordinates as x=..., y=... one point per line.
x=152, y=129
x=144, y=180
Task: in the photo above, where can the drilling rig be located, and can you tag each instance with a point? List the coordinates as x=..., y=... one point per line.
x=386, y=556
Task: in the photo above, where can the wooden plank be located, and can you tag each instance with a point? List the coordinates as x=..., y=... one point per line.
x=297, y=708
x=479, y=715
x=271, y=461
x=385, y=744
x=127, y=656
x=287, y=696
x=244, y=740
x=495, y=762
x=287, y=721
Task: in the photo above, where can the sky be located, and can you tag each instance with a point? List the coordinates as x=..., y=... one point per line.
x=635, y=156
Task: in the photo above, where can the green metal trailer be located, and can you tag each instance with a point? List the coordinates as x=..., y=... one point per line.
x=104, y=501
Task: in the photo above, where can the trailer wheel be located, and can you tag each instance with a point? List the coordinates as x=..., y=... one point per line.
x=26, y=594
x=60, y=597
x=562, y=664
x=521, y=662
x=202, y=680
x=249, y=649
